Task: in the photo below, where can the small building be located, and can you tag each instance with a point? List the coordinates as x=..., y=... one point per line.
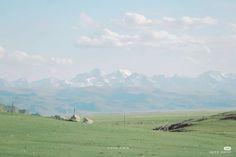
x=75, y=118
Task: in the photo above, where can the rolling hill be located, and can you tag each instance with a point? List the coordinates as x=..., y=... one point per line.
x=121, y=91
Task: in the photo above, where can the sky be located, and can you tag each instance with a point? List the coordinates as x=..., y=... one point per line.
x=60, y=38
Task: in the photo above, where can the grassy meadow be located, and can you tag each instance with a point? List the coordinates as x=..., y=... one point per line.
x=31, y=136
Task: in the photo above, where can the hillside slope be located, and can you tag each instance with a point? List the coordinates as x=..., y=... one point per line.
x=27, y=136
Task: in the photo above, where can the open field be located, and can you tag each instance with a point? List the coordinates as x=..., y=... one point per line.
x=28, y=136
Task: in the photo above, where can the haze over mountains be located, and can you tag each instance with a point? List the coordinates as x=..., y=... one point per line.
x=119, y=91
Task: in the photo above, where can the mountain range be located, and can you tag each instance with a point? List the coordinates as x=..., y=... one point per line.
x=121, y=91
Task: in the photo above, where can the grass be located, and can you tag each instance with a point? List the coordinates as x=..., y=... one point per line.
x=29, y=136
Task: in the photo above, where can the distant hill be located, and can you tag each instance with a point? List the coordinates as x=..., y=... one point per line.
x=120, y=91
x=13, y=109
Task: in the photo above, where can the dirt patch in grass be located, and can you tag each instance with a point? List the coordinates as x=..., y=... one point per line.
x=229, y=117
x=176, y=127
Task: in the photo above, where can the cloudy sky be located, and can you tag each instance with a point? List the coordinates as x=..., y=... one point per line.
x=60, y=38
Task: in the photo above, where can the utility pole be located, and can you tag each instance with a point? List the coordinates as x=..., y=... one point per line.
x=12, y=107
x=124, y=119
x=74, y=111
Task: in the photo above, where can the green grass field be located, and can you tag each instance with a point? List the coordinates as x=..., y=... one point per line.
x=29, y=136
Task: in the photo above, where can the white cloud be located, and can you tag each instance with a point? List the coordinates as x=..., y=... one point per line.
x=19, y=64
x=63, y=61
x=2, y=52
x=197, y=21
x=192, y=60
x=138, y=19
x=34, y=59
x=169, y=19
x=148, y=39
x=22, y=56
x=107, y=39
x=233, y=27
x=140, y=32
x=85, y=21
x=168, y=40
x=163, y=35
x=208, y=50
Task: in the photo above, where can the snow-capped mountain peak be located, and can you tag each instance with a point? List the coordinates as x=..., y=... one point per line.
x=125, y=72
x=215, y=75
x=121, y=78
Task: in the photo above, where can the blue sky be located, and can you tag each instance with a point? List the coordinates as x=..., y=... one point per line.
x=59, y=38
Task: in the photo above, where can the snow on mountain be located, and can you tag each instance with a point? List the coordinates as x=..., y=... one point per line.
x=125, y=78
x=122, y=89
x=95, y=77
x=124, y=72
x=99, y=78
x=214, y=75
x=136, y=79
